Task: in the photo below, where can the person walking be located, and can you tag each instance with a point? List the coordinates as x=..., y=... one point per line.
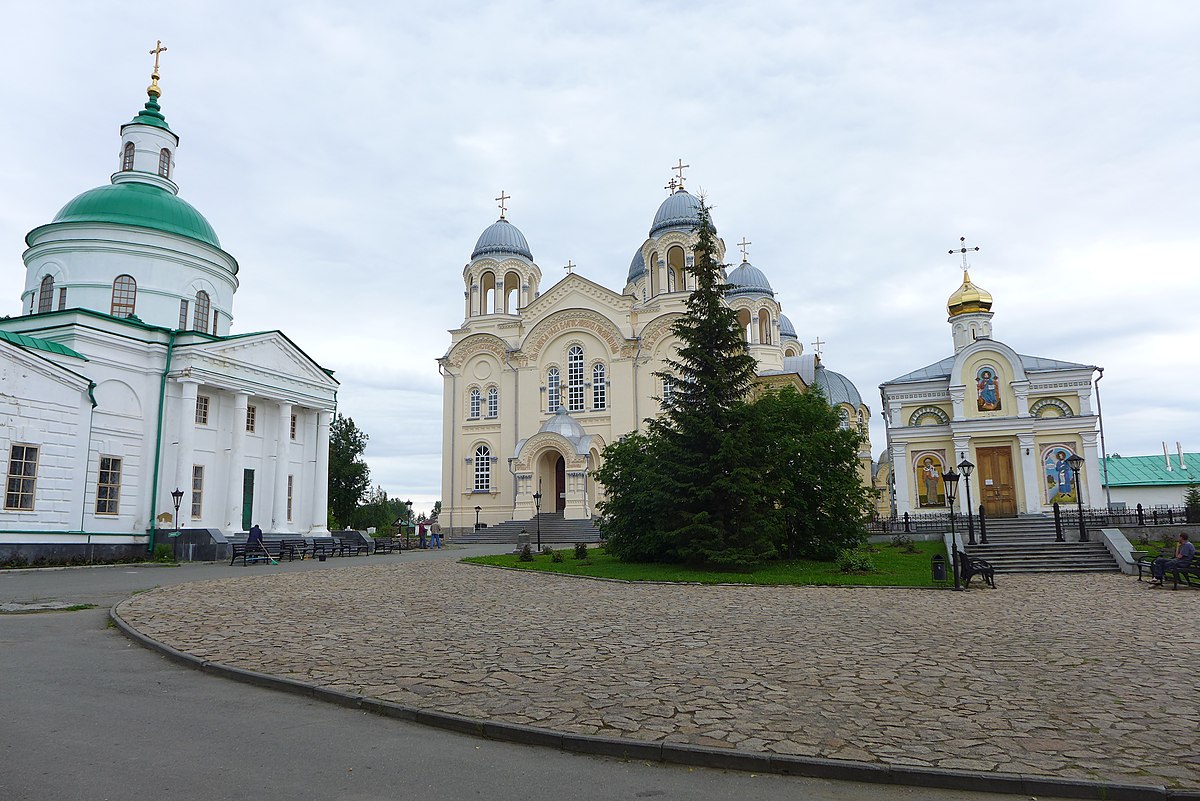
x=421, y=535
x=435, y=534
x=1185, y=552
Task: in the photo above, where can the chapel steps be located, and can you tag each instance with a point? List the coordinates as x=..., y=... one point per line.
x=1027, y=545
x=556, y=530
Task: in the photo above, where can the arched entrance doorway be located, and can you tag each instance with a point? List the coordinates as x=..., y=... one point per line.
x=560, y=484
x=552, y=481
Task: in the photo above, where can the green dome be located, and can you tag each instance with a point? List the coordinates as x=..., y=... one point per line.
x=141, y=205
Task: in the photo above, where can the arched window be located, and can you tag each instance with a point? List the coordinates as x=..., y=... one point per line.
x=474, y=404
x=654, y=280
x=599, y=387
x=127, y=157
x=743, y=316
x=862, y=421
x=124, y=296
x=575, y=379
x=552, y=394
x=764, y=327
x=668, y=392
x=483, y=469
x=200, y=316
x=512, y=289
x=675, y=282
x=844, y=417
x=487, y=293
x=46, y=294
x=493, y=402
x=164, y=163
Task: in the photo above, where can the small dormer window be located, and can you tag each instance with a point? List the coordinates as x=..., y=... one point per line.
x=164, y=163
x=127, y=157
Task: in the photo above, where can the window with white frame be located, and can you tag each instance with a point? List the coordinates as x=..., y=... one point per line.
x=183, y=310
x=575, y=379
x=197, y=490
x=668, y=392
x=293, y=425
x=127, y=157
x=201, y=410
x=108, y=486
x=474, y=404
x=62, y=298
x=22, y=478
x=291, y=486
x=251, y=417
x=483, y=469
x=599, y=387
x=552, y=390
x=493, y=409
x=164, y=163
x=844, y=418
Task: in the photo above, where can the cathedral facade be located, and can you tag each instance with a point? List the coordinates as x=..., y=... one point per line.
x=537, y=384
x=124, y=381
x=1017, y=419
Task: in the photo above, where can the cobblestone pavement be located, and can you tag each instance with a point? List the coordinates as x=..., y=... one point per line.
x=1087, y=676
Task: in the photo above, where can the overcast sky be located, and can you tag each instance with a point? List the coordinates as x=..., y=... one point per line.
x=348, y=153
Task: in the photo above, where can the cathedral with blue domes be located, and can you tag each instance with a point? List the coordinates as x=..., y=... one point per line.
x=537, y=382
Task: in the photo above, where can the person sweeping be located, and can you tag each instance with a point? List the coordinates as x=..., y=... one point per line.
x=254, y=542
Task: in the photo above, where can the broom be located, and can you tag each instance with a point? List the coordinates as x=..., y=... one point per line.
x=270, y=558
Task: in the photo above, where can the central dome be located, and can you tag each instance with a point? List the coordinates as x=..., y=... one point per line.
x=968, y=298
x=502, y=237
x=680, y=210
x=140, y=205
x=748, y=280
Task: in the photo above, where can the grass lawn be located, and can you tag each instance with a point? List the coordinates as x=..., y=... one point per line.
x=893, y=568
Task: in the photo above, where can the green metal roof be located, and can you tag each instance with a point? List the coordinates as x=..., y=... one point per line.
x=151, y=115
x=1129, y=471
x=33, y=343
x=140, y=205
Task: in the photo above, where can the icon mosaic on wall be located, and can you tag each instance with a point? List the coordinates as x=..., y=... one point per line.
x=931, y=489
x=1060, y=480
x=987, y=389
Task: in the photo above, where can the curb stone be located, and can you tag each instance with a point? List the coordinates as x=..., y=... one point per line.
x=682, y=753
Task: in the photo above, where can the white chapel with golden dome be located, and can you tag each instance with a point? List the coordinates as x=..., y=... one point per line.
x=1017, y=419
x=537, y=382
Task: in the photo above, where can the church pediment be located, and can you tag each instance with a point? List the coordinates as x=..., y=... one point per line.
x=18, y=364
x=575, y=291
x=268, y=357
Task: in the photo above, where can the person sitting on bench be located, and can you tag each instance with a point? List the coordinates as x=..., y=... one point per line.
x=254, y=541
x=1185, y=552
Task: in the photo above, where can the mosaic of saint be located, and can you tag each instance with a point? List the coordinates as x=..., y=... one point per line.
x=1060, y=478
x=931, y=489
x=987, y=389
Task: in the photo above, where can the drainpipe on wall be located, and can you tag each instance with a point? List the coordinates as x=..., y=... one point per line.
x=162, y=403
x=516, y=407
x=637, y=418
x=91, y=390
x=1103, y=449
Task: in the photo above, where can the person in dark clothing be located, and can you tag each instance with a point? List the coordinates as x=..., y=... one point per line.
x=1185, y=552
x=254, y=540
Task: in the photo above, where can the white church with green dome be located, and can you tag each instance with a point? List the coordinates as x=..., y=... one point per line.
x=123, y=380
x=537, y=383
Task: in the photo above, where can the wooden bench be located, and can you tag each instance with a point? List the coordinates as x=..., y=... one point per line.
x=1189, y=575
x=351, y=546
x=273, y=548
x=388, y=545
x=322, y=546
x=295, y=548
x=970, y=566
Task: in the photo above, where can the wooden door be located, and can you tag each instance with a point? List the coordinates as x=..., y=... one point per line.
x=560, y=485
x=247, y=498
x=994, y=481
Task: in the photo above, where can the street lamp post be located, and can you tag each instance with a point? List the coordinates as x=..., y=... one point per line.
x=967, y=468
x=537, y=503
x=176, y=498
x=951, y=480
x=407, y=524
x=1076, y=462
x=477, y=510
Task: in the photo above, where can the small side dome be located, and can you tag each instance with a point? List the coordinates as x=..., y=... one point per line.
x=501, y=237
x=680, y=210
x=637, y=267
x=837, y=388
x=564, y=424
x=786, y=329
x=968, y=298
x=749, y=280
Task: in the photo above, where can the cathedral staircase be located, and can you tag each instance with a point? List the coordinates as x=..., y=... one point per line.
x=555, y=531
x=1027, y=545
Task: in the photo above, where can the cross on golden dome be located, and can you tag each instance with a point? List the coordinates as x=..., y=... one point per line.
x=153, y=89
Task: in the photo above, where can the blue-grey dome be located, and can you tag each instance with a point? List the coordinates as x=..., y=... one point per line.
x=749, y=280
x=501, y=237
x=837, y=388
x=637, y=267
x=786, y=329
x=680, y=210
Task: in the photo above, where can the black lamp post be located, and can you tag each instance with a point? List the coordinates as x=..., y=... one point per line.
x=967, y=468
x=176, y=498
x=1076, y=462
x=951, y=480
x=406, y=524
x=477, y=510
x=537, y=502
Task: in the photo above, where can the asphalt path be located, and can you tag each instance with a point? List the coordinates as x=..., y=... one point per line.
x=88, y=716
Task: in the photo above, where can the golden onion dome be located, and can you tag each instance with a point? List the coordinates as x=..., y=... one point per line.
x=968, y=298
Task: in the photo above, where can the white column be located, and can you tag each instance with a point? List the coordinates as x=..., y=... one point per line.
x=1093, y=480
x=187, y=435
x=962, y=450
x=320, y=487
x=283, y=436
x=958, y=397
x=1031, y=474
x=900, y=474
x=237, y=451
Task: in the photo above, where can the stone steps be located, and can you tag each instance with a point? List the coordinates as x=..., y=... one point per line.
x=1028, y=545
x=556, y=530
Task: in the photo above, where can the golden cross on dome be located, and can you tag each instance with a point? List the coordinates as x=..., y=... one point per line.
x=153, y=89
x=964, y=250
x=679, y=168
x=570, y=266
x=743, y=245
x=817, y=346
x=158, y=48
x=503, y=197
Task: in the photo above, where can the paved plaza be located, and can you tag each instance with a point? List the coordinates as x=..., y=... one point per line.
x=1079, y=676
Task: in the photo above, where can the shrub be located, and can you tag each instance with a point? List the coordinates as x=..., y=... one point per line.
x=547, y=550
x=904, y=542
x=556, y=556
x=854, y=561
x=581, y=550
x=162, y=553
x=526, y=553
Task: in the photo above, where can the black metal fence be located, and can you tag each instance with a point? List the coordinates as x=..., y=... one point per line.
x=910, y=524
x=1138, y=516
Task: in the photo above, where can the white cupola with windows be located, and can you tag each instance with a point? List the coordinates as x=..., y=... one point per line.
x=501, y=277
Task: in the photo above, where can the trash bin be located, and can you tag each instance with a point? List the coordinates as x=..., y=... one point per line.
x=939, y=567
